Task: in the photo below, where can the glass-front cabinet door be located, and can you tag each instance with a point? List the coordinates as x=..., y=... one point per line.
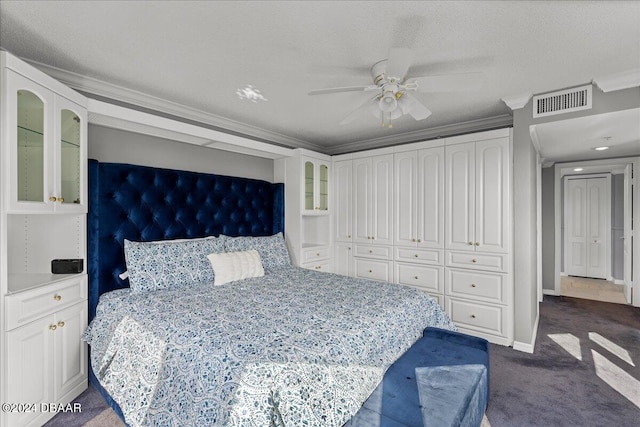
x=47, y=135
x=316, y=186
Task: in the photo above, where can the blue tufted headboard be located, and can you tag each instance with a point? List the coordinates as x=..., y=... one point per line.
x=145, y=203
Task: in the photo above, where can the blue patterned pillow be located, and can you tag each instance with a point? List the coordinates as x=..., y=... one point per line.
x=169, y=263
x=272, y=249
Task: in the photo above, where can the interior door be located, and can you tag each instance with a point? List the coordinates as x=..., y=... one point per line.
x=628, y=232
x=588, y=227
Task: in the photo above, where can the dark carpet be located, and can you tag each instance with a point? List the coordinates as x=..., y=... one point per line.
x=585, y=371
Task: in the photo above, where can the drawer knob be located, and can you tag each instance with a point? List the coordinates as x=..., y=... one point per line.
x=419, y=241
x=370, y=251
x=416, y=255
x=415, y=277
x=348, y=236
x=473, y=285
x=370, y=271
x=318, y=254
x=61, y=199
x=57, y=297
x=413, y=240
x=53, y=327
x=473, y=316
x=53, y=198
x=60, y=324
x=474, y=260
x=477, y=243
x=470, y=243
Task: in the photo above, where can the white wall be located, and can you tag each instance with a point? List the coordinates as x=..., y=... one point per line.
x=118, y=146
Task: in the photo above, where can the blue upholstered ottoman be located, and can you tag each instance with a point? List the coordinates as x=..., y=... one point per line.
x=441, y=381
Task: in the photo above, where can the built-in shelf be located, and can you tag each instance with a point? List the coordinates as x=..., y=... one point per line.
x=23, y=282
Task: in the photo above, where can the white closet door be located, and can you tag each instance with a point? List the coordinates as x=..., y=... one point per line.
x=599, y=210
x=344, y=192
x=588, y=227
x=460, y=196
x=382, y=199
x=576, y=227
x=430, y=220
x=405, y=192
x=362, y=200
x=492, y=196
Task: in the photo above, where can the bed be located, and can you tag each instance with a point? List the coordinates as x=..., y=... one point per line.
x=291, y=347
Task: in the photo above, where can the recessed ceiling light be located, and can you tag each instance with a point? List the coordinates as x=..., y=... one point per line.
x=251, y=93
x=601, y=148
x=577, y=169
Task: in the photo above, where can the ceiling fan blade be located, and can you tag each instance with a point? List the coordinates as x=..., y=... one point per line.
x=449, y=82
x=398, y=63
x=343, y=89
x=360, y=110
x=411, y=105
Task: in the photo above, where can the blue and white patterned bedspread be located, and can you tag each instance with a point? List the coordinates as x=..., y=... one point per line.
x=293, y=348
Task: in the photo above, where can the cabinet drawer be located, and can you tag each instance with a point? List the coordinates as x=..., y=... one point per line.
x=371, y=269
x=420, y=276
x=319, y=266
x=478, y=285
x=24, y=307
x=370, y=251
x=489, y=262
x=484, y=318
x=314, y=254
x=422, y=256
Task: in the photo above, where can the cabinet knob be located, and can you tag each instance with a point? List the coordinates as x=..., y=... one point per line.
x=53, y=198
x=348, y=236
x=413, y=240
x=317, y=253
x=473, y=285
x=57, y=297
x=415, y=277
x=370, y=271
x=416, y=255
x=477, y=243
x=61, y=199
x=61, y=323
x=474, y=260
x=370, y=251
x=473, y=316
x=470, y=243
x=419, y=241
x=53, y=327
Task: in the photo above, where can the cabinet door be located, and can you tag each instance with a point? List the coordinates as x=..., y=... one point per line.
x=362, y=200
x=430, y=195
x=492, y=196
x=309, y=185
x=405, y=198
x=70, y=351
x=343, y=189
x=344, y=259
x=70, y=152
x=460, y=196
x=30, y=129
x=30, y=364
x=382, y=199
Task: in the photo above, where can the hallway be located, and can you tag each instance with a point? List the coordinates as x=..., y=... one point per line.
x=593, y=289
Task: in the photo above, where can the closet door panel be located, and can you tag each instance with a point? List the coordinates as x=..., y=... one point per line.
x=599, y=206
x=382, y=199
x=343, y=201
x=460, y=200
x=361, y=200
x=430, y=219
x=576, y=227
x=405, y=201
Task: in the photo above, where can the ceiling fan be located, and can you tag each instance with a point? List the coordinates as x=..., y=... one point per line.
x=393, y=88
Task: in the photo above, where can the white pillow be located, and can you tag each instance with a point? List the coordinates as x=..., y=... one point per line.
x=231, y=266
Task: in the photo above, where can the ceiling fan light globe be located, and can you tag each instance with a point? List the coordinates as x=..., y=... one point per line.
x=388, y=103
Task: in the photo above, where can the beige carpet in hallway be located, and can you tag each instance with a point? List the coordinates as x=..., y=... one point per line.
x=593, y=289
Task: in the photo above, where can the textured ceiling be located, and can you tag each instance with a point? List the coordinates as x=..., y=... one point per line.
x=197, y=54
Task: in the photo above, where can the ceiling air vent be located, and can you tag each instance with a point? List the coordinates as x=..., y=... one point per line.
x=563, y=101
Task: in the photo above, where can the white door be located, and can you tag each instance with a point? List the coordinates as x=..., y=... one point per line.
x=343, y=259
x=460, y=196
x=70, y=353
x=430, y=220
x=405, y=192
x=361, y=200
x=492, y=196
x=343, y=190
x=628, y=232
x=382, y=199
x=587, y=227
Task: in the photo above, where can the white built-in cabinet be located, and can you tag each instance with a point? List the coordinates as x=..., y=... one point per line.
x=435, y=215
x=307, y=177
x=43, y=185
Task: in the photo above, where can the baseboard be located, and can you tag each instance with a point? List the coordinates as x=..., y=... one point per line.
x=618, y=282
x=551, y=292
x=528, y=347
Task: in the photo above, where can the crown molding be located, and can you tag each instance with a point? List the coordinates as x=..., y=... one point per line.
x=495, y=122
x=618, y=81
x=517, y=101
x=109, y=91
